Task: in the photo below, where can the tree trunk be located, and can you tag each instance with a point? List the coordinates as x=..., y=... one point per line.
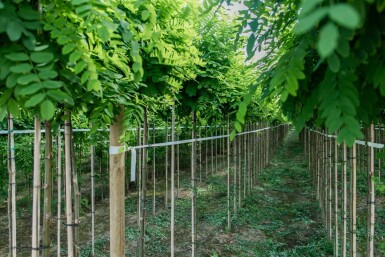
x=193, y=189
x=117, y=176
x=144, y=187
x=166, y=170
x=235, y=177
x=36, y=191
x=335, y=197
x=139, y=175
x=12, y=188
x=47, y=190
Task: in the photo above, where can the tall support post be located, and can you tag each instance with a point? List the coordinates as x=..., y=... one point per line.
x=193, y=188
x=172, y=180
x=371, y=197
x=336, y=198
x=92, y=150
x=344, y=198
x=153, y=169
x=353, y=205
x=47, y=190
x=12, y=188
x=144, y=186
x=228, y=174
x=59, y=185
x=36, y=191
x=235, y=176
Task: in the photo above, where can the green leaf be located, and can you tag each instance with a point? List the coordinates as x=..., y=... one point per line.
x=79, y=2
x=85, y=77
x=28, y=14
x=11, y=80
x=250, y=46
x=94, y=85
x=136, y=67
x=42, y=57
x=328, y=39
x=334, y=63
x=21, y=68
x=238, y=126
x=343, y=47
x=34, y=100
x=309, y=5
x=5, y=96
x=232, y=135
x=48, y=74
x=292, y=84
x=26, y=79
x=17, y=57
x=68, y=48
x=60, y=97
x=380, y=5
x=145, y=15
x=14, y=30
x=3, y=110
x=345, y=15
x=75, y=56
x=80, y=67
x=30, y=89
x=47, y=109
x=104, y=34
x=51, y=84
x=309, y=21
x=13, y=107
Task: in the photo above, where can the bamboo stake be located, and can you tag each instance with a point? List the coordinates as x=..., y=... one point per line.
x=47, y=190
x=228, y=175
x=92, y=150
x=12, y=188
x=36, y=191
x=335, y=198
x=193, y=188
x=344, y=199
x=143, y=188
x=330, y=230
x=245, y=165
x=353, y=205
x=166, y=170
x=59, y=198
x=177, y=167
x=153, y=169
x=139, y=175
x=239, y=172
x=371, y=198
x=76, y=209
x=173, y=180
x=235, y=177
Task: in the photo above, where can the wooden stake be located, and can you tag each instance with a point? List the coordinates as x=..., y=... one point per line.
x=92, y=150
x=59, y=197
x=143, y=188
x=344, y=199
x=172, y=180
x=353, y=205
x=12, y=188
x=335, y=198
x=47, y=190
x=153, y=169
x=228, y=175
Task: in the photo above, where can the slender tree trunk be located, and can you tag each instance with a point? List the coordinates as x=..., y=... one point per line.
x=12, y=188
x=353, y=205
x=92, y=150
x=177, y=167
x=59, y=197
x=36, y=191
x=212, y=152
x=206, y=151
x=200, y=156
x=228, y=175
x=144, y=187
x=371, y=198
x=193, y=189
x=172, y=180
x=245, y=165
x=330, y=230
x=47, y=190
x=240, y=171
x=117, y=177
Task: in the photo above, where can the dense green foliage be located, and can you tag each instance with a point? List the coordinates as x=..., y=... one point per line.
x=324, y=60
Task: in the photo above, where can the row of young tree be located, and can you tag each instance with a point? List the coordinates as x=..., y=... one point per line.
x=113, y=62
